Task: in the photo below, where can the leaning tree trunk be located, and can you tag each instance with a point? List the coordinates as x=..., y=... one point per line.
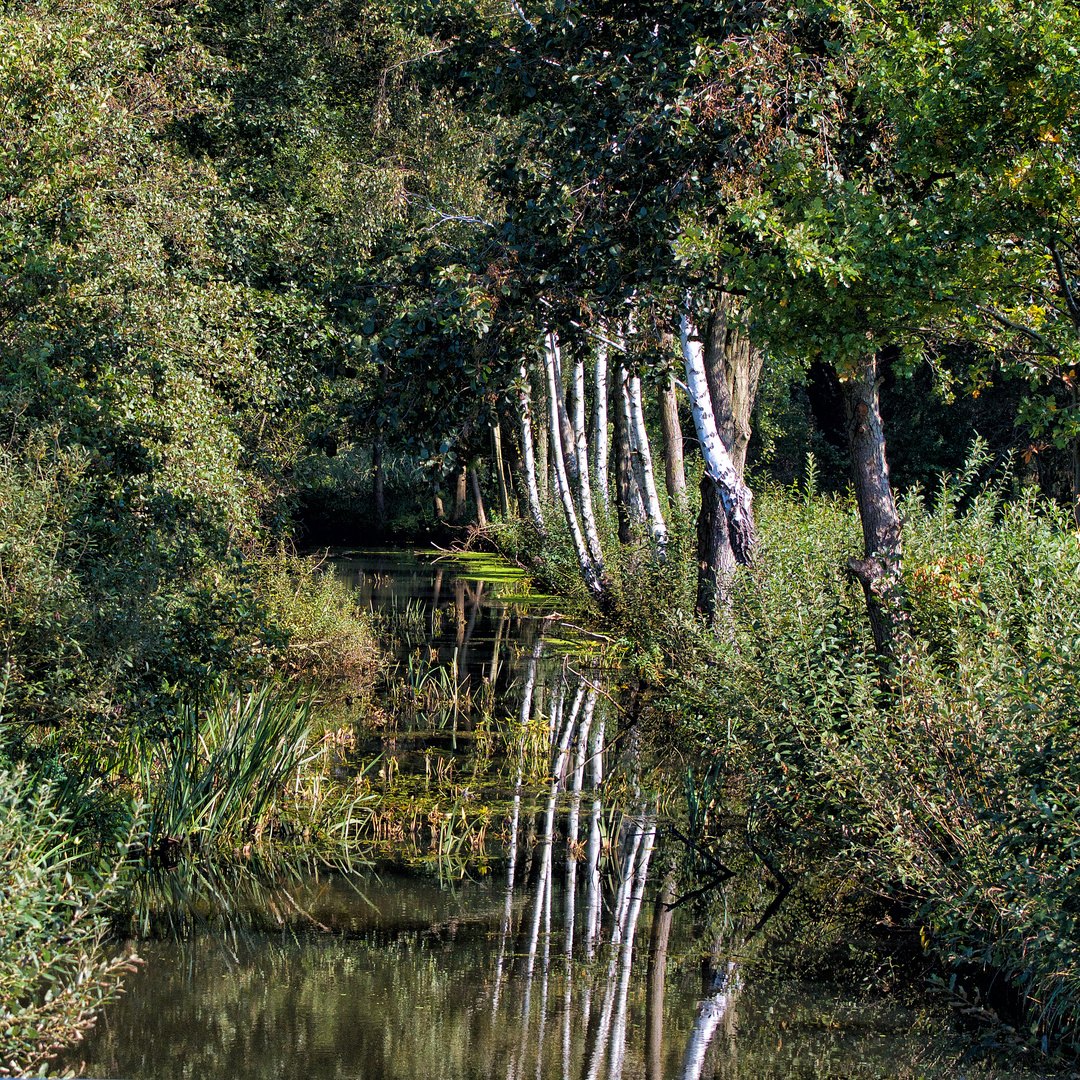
x=731, y=493
x=591, y=573
x=478, y=498
x=500, y=469
x=879, y=570
x=565, y=428
x=732, y=369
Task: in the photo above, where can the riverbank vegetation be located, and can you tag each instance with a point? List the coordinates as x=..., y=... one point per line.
x=463, y=272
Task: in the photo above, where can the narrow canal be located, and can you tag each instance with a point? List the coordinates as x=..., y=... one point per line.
x=513, y=910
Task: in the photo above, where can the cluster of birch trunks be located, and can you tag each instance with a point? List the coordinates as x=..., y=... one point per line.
x=721, y=375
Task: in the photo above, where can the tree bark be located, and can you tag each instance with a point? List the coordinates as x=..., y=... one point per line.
x=377, y=491
x=674, y=469
x=437, y=503
x=529, y=458
x=581, y=451
x=478, y=498
x=733, y=370
x=460, y=494
x=628, y=504
x=500, y=469
x=565, y=428
x=879, y=570
x=643, y=454
x=600, y=423
x=590, y=572
x=732, y=495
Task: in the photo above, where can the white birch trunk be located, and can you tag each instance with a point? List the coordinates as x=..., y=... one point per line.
x=636, y=507
x=641, y=444
x=589, y=571
x=734, y=494
x=528, y=455
x=581, y=449
x=600, y=441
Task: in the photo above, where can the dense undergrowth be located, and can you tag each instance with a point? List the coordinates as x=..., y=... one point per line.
x=944, y=776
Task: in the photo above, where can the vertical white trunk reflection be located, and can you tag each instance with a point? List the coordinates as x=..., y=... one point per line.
x=511, y=870
x=711, y=1013
x=611, y=1036
x=592, y=881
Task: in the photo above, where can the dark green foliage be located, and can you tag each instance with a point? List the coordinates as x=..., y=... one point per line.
x=946, y=774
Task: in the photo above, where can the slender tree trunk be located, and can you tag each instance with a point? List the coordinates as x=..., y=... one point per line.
x=437, y=502
x=500, y=469
x=478, y=498
x=674, y=470
x=529, y=458
x=600, y=423
x=879, y=570
x=732, y=495
x=565, y=428
x=460, y=494
x=590, y=572
x=543, y=466
x=581, y=450
x=643, y=453
x=377, y=484
x=627, y=497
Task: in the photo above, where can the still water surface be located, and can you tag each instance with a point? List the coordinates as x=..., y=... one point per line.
x=516, y=925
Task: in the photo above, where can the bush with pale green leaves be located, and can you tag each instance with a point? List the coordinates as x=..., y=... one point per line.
x=55, y=972
x=946, y=774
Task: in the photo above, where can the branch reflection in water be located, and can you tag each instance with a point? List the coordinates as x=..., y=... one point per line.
x=507, y=979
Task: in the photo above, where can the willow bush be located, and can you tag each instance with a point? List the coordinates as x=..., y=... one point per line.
x=947, y=773
x=55, y=974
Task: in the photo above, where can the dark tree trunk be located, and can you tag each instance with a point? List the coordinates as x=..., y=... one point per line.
x=674, y=471
x=481, y=517
x=437, y=503
x=460, y=495
x=377, y=485
x=625, y=483
x=716, y=557
x=880, y=568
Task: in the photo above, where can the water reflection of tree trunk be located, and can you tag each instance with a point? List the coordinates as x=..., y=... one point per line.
x=435, y=598
x=655, y=979
x=508, y=909
x=459, y=612
x=493, y=674
x=542, y=903
x=474, y=607
x=592, y=880
x=714, y=1011
x=610, y=1041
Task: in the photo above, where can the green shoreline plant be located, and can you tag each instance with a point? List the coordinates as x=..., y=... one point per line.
x=55, y=971
x=947, y=775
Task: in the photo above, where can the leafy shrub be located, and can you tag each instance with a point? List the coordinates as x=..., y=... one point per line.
x=947, y=774
x=329, y=637
x=54, y=975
